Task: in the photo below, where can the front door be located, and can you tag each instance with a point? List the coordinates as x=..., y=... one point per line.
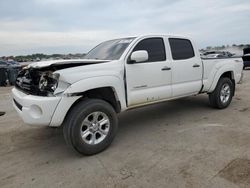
x=150, y=80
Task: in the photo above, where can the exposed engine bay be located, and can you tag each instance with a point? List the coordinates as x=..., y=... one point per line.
x=43, y=81
x=35, y=82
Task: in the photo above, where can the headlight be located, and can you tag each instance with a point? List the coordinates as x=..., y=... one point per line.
x=48, y=82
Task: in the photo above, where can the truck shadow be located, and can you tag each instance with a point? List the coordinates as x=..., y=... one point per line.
x=49, y=140
x=165, y=113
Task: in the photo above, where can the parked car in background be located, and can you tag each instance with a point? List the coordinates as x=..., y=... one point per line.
x=215, y=56
x=221, y=54
x=3, y=63
x=13, y=64
x=3, y=73
x=8, y=72
x=246, y=58
x=9, y=64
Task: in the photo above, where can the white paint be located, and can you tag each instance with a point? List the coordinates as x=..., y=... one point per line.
x=146, y=83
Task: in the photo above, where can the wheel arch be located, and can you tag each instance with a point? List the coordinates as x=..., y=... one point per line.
x=107, y=88
x=228, y=73
x=107, y=94
x=104, y=93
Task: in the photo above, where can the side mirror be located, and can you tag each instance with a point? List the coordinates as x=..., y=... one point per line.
x=138, y=56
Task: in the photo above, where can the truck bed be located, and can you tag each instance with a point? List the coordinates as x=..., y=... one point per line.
x=212, y=66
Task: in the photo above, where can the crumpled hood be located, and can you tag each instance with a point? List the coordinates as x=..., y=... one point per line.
x=74, y=70
x=74, y=74
x=60, y=64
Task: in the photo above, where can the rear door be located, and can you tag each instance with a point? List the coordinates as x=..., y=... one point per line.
x=150, y=80
x=186, y=68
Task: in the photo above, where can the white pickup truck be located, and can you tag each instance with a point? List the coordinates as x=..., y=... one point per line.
x=85, y=95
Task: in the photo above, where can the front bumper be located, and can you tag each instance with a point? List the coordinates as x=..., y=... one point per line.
x=34, y=110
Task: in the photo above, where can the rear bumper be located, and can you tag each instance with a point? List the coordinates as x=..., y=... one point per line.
x=34, y=110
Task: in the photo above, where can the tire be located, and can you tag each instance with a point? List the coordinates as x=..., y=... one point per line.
x=90, y=126
x=221, y=99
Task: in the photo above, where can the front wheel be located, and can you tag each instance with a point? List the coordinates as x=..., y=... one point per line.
x=222, y=96
x=90, y=126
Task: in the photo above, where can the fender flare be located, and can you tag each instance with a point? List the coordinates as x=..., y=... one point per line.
x=219, y=73
x=98, y=82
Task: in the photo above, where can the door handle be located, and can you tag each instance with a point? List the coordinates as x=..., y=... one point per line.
x=166, y=68
x=196, y=65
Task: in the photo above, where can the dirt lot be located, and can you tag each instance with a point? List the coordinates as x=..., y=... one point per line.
x=182, y=143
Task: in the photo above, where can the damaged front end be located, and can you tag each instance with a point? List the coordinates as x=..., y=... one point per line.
x=43, y=80
x=37, y=82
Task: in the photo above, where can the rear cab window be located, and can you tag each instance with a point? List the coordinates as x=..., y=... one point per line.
x=181, y=49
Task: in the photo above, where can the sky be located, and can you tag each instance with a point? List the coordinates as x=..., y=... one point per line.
x=75, y=26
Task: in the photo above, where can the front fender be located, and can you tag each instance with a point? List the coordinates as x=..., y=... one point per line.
x=98, y=82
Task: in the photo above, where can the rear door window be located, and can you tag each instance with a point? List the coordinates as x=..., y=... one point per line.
x=181, y=48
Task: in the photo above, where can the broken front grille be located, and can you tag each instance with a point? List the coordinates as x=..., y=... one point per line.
x=28, y=81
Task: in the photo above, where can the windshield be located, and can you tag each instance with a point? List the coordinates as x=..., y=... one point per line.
x=109, y=50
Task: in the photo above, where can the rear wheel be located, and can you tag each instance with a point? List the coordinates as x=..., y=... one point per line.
x=222, y=96
x=90, y=127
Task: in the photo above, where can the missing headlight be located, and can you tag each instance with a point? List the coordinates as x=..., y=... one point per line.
x=48, y=82
x=37, y=82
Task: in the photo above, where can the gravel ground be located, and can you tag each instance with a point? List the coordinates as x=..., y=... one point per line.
x=181, y=143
